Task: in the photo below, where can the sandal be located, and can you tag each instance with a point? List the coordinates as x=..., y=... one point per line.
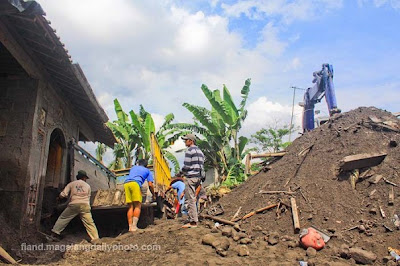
x=189, y=225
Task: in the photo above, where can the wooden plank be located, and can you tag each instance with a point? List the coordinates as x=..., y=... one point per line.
x=272, y=154
x=296, y=221
x=382, y=212
x=248, y=164
x=375, y=179
x=391, y=195
x=217, y=219
x=258, y=211
x=7, y=256
x=362, y=160
x=277, y=192
x=236, y=214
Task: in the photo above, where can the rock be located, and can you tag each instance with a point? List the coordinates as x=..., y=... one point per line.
x=273, y=239
x=222, y=253
x=331, y=230
x=292, y=244
x=373, y=211
x=208, y=239
x=214, y=230
x=344, y=251
x=391, y=263
x=221, y=243
x=362, y=256
x=286, y=238
x=227, y=231
x=237, y=228
x=245, y=240
x=361, y=228
x=311, y=252
x=386, y=259
x=239, y=236
x=311, y=262
x=243, y=250
x=257, y=228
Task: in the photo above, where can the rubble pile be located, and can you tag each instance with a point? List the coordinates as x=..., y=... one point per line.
x=344, y=179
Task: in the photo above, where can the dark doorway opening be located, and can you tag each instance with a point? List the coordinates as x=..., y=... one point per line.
x=53, y=181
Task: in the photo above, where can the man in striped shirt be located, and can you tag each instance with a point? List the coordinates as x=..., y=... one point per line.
x=192, y=165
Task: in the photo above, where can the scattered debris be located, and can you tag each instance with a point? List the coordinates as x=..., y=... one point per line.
x=215, y=210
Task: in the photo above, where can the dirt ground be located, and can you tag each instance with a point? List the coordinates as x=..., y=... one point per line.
x=324, y=197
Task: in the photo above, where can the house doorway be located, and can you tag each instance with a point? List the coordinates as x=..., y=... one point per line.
x=54, y=177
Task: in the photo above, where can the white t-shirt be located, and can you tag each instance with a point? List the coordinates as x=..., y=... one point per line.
x=79, y=192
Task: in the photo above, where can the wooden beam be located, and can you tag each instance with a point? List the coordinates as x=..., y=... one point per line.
x=259, y=210
x=89, y=92
x=248, y=164
x=16, y=50
x=277, y=192
x=391, y=195
x=206, y=216
x=296, y=222
x=272, y=154
x=7, y=256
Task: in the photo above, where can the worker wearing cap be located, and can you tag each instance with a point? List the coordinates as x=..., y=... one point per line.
x=133, y=195
x=79, y=192
x=192, y=165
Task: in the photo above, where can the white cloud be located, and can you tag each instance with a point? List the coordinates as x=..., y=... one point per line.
x=270, y=44
x=393, y=3
x=287, y=11
x=264, y=113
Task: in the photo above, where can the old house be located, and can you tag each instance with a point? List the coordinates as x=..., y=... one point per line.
x=46, y=105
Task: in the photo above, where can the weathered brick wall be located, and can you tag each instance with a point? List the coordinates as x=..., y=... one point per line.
x=17, y=104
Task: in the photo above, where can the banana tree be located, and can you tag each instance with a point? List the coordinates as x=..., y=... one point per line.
x=100, y=151
x=127, y=138
x=219, y=126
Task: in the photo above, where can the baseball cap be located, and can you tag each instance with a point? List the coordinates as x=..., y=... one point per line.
x=189, y=136
x=81, y=173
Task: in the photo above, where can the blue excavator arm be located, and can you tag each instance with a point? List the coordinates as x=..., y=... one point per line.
x=323, y=86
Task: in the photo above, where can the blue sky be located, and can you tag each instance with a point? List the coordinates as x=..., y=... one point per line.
x=159, y=52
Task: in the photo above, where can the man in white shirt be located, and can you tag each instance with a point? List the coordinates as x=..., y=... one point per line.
x=79, y=193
